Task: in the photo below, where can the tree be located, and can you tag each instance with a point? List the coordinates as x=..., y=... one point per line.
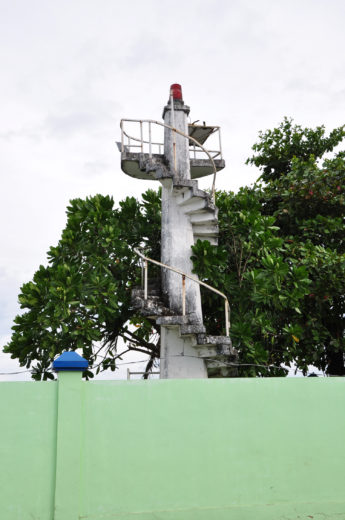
x=81, y=300
x=264, y=282
x=280, y=260
x=306, y=197
x=277, y=148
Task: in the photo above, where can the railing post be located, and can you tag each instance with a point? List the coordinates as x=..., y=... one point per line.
x=69, y=435
x=150, y=143
x=122, y=138
x=183, y=295
x=227, y=321
x=174, y=132
x=184, y=276
x=145, y=279
x=141, y=137
x=213, y=190
x=220, y=144
x=142, y=273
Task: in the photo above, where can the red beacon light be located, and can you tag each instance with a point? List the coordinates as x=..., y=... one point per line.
x=176, y=91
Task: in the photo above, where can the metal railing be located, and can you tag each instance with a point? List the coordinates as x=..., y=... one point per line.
x=146, y=260
x=129, y=374
x=127, y=146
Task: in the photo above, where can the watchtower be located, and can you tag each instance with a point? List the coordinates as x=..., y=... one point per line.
x=188, y=214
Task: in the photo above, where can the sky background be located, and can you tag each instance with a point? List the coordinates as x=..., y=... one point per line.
x=70, y=70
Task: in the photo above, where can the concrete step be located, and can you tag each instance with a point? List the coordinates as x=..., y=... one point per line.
x=152, y=307
x=139, y=293
x=192, y=199
x=183, y=198
x=172, y=321
x=217, y=352
x=212, y=352
x=206, y=346
x=215, y=346
x=206, y=339
x=184, y=185
x=185, y=189
x=206, y=229
x=206, y=215
x=194, y=204
x=191, y=330
x=183, y=322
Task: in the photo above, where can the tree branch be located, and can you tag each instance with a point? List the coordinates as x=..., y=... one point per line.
x=150, y=346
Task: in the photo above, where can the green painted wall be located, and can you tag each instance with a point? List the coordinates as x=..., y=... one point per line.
x=27, y=450
x=240, y=449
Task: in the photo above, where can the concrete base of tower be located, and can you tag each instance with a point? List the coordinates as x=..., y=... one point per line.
x=179, y=359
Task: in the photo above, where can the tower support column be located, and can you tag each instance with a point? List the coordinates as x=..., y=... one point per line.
x=176, y=243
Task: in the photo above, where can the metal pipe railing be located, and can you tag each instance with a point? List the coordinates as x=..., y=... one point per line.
x=175, y=130
x=193, y=148
x=146, y=259
x=129, y=373
x=217, y=129
x=150, y=145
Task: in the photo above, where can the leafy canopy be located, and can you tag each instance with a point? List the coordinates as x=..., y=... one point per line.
x=81, y=300
x=280, y=260
x=305, y=194
x=277, y=148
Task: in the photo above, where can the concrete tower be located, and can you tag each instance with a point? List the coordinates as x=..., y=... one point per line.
x=188, y=214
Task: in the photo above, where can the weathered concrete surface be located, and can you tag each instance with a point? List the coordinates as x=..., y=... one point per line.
x=188, y=215
x=186, y=327
x=176, y=147
x=181, y=198
x=179, y=360
x=219, y=356
x=152, y=307
x=177, y=241
x=177, y=232
x=202, y=212
x=189, y=340
x=139, y=166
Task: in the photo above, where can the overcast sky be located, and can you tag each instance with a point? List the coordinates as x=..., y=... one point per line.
x=70, y=70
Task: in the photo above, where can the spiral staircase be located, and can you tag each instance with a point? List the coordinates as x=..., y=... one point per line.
x=196, y=217
x=219, y=355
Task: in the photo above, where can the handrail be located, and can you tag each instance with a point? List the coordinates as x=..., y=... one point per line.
x=160, y=144
x=184, y=276
x=164, y=125
x=217, y=152
x=137, y=138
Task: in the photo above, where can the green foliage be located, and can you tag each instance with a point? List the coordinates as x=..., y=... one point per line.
x=280, y=260
x=81, y=300
x=264, y=284
x=308, y=204
x=277, y=148
x=306, y=198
